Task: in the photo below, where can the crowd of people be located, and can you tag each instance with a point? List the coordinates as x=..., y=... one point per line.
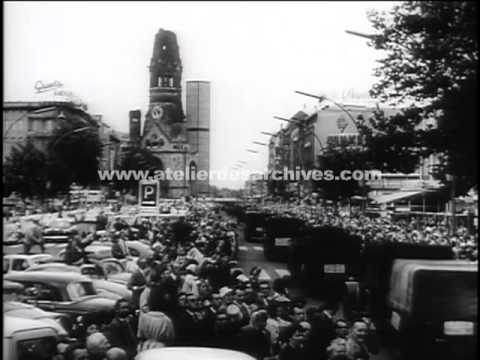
x=381, y=229
x=191, y=291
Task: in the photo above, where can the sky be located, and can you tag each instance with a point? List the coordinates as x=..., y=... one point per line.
x=255, y=54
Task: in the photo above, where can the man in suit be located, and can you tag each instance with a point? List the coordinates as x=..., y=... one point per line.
x=123, y=328
x=119, y=247
x=254, y=339
x=138, y=281
x=323, y=331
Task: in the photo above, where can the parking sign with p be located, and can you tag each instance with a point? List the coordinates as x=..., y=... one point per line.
x=148, y=194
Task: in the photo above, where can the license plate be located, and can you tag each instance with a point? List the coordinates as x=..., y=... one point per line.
x=458, y=328
x=334, y=268
x=282, y=241
x=259, y=229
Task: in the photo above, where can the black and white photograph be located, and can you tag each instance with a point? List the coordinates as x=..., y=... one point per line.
x=240, y=180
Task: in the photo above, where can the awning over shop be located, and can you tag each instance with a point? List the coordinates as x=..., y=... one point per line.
x=399, y=195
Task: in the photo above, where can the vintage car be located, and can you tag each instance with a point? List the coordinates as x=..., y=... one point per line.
x=12, y=291
x=21, y=262
x=110, y=269
x=434, y=308
x=255, y=226
x=281, y=232
x=28, y=339
x=105, y=287
x=67, y=293
x=103, y=250
x=60, y=322
x=59, y=230
x=191, y=353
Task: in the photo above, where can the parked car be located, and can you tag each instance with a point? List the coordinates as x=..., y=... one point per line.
x=99, y=250
x=21, y=262
x=64, y=292
x=59, y=230
x=28, y=339
x=108, y=288
x=60, y=322
x=112, y=270
x=12, y=291
x=192, y=353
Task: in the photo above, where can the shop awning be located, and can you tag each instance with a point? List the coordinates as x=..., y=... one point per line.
x=399, y=195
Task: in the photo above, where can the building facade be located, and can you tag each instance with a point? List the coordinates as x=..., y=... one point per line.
x=303, y=140
x=36, y=121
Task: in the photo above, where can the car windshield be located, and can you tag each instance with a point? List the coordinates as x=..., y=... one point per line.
x=112, y=268
x=38, y=349
x=78, y=290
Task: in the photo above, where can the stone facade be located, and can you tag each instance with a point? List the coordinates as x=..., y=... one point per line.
x=165, y=131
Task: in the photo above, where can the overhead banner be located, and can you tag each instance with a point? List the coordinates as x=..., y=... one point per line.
x=149, y=191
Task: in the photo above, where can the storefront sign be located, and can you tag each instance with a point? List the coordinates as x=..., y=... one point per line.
x=40, y=87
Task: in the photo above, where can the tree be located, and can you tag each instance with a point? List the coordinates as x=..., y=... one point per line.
x=24, y=171
x=429, y=67
x=337, y=159
x=74, y=153
x=391, y=143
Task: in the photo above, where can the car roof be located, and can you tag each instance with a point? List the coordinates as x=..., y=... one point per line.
x=12, y=324
x=49, y=277
x=25, y=256
x=192, y=353
x=53, y=264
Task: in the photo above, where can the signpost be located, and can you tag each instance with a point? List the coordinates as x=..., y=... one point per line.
x=148, y=195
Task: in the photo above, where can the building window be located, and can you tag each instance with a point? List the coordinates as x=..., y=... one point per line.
x=30, y=125
x=170, y=81
x=159, y=81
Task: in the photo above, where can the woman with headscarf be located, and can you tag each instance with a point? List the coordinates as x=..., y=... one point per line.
x=155, y=330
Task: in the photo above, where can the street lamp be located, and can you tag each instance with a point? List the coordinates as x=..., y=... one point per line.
x=260, y=143
x=366, y=36
x=252, y=151
x=267, y=133
x=323, y=98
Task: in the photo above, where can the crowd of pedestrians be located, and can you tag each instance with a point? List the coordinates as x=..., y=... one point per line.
x=382, y=229
x=191, y=291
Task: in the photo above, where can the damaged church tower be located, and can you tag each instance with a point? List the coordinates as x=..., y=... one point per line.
x=165, y=131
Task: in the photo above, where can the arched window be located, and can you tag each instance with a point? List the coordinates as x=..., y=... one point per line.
x=192, y=168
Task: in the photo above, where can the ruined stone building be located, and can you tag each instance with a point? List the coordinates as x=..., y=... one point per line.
x=180, y=140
